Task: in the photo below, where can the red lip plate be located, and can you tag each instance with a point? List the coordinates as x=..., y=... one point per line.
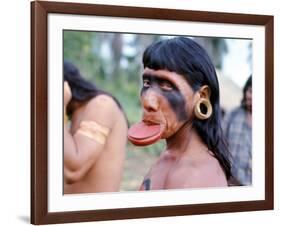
x=142, y=134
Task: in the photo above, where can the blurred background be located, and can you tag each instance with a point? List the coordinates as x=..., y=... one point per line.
x=113, y=61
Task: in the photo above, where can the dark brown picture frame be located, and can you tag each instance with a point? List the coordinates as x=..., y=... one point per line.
x=39, y=112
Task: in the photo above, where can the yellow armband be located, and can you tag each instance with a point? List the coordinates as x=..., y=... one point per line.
x=65, y=119
x=94, y=131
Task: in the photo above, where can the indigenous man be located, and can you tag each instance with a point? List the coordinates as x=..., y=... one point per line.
x=180, y=99
x=94, y=143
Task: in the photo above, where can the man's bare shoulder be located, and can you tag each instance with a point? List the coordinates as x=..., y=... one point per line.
x=196, y=173
x=104, y=109
x=102, y=101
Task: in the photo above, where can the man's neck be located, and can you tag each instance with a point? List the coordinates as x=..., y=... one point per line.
x=186, y=141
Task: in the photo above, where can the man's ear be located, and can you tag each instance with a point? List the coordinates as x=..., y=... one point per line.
x=205, y=92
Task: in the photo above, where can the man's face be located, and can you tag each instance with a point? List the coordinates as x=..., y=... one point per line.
x=249, y=99
x=167, y=99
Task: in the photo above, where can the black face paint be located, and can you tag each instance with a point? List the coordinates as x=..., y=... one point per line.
x=174, y=96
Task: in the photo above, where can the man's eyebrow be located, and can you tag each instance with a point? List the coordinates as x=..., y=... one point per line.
x=147, y=76
x=155, y=76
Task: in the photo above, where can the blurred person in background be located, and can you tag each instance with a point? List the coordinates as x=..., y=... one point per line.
x=95, y=135
x=237, y=127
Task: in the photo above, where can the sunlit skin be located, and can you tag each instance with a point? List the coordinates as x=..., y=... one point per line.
x=168, y=100
x=89, y=165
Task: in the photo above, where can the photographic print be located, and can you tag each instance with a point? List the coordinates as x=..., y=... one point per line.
x=142, y=112
x=117, y=65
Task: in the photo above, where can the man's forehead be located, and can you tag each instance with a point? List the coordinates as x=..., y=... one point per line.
x=164, y=74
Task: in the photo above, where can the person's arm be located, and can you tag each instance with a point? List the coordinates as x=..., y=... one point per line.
x=82, y=149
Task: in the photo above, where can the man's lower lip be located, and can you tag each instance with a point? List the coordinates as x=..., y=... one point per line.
x=149, y=123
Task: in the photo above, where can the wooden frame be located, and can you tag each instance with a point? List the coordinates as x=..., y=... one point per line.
x=39, y=111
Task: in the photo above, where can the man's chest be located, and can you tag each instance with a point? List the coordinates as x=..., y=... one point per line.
x=157, y=176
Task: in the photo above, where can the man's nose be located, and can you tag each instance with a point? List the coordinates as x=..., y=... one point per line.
x=150, y=101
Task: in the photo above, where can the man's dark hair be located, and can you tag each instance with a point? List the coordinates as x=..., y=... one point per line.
x=81, y=89
x=247, y=85
x=185, y=57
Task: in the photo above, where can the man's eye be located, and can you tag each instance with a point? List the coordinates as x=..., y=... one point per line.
x=146, y=83
x=166, y=86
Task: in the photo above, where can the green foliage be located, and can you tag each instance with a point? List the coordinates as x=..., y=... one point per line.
x=78, y=48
